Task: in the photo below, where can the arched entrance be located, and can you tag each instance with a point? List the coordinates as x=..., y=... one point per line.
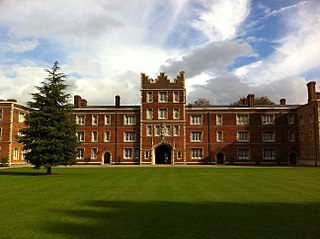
x=220, y=158
x=292, y=158
x=163, y=154
x=107, y=158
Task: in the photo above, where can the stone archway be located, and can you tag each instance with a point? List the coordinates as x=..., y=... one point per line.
x=220, y=158
x=163, y=154
x=292, y=158
x=107, y=158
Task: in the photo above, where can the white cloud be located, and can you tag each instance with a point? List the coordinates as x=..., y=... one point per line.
x=22, y=46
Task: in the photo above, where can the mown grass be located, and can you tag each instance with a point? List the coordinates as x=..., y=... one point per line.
x=160, y=203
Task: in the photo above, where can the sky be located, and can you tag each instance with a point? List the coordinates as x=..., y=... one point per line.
x=228, y=48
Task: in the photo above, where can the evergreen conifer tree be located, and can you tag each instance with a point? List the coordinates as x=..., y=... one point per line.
x=50, y=137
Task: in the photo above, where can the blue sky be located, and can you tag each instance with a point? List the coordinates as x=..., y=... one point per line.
x=228, y=48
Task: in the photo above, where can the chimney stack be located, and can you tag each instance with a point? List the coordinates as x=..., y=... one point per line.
x=311, y=91
x=282, y=101
x=77, y=101
x=250, y=98
x=117, y=101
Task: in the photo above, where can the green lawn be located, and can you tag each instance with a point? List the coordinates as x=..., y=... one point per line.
x=165, y=202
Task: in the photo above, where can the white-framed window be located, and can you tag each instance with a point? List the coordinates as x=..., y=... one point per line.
x=176, y=113
x=268, y=136
x=196, y=153
x=196, y=136
x=80, y=119
x=243, y=153
x=242, y=119
x=218, y=119
x=168, y=130
x=16, y=154
x=157, y=130
x=175, y=96
x=291, y=136
x=149, y=97
x=107, y=119
x=243, y=136
x=179, y=154
x=129, y=136
x=219, y=135
x=80, y=154
x=149, y=113
x=196, y=119
x=163, y=114
x=267, y=119
x=311, y=134
x=129, y=120
x=149, y=130
x=176, y=130
x=107, y=136
x=0, y=133
x=146, y=154
x=127, y=153
x=80, y=136
x=94, y=136
x=163, y=97
x=1, y=114
x=269, y=154
x=21, y=117
x=290, y=118
x=94, y=119
x=94, y=152
x=301, y=136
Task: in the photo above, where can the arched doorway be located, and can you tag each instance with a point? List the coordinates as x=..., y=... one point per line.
x=292, y=158
x=163, y=154
x=107, y=158
x=220, y=158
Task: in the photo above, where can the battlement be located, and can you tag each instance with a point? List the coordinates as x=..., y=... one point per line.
x=162, y=81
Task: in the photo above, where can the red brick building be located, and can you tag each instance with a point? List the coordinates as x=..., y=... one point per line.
x=164, y=130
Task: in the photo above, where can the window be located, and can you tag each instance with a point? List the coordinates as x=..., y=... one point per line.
x=107, y=136
x=196, y=119
x=243, y=136
x=94, y=119
x=219, y=136
x=129, y=136
x=129, y=120
x=149, y=114
x=149, y=97
x=301, y=136
x=196, y=136
x=290, y=118
x=21, y=117
x=302, y=152
x=163, y=97
x=0, y=133
x=80, y=136
x=94, y=136
x=168, y=130
x=176, y=113
x=1, y=111
x=16, y=154
x=268, y=136
x=175, y=96
x=267, y=119
x=80, y=153
x=146, y=154
x=269, y=154
x=218, y=119
x=311, y=134
x=127, y=153
x=292, y=136
x=107, y=119
x=149, y=130
x=242, y=119
x=196, y=153
x=301, y=121
x=176, y=130
x=243, y=153
x=80, y=119
x=157, y=130
x=163, y=114
x=179, y=154
x=94, y=152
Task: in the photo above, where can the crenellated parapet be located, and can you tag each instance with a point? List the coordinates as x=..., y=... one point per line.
x=163, y=81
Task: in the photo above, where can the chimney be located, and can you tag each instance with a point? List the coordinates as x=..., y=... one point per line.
x=84, y=102
x=250, y=98
x=117, y=101
x=311, y=91
x=244, y=101
x=12, y=100
x=77, y=101
x=282, y=101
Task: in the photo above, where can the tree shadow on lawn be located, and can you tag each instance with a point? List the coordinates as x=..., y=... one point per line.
x=20, y=173
x=124, y=219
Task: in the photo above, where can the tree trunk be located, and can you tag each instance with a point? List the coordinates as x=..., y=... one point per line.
x=49, y=170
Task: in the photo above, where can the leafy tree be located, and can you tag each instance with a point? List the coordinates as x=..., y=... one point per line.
x=50, y=137
x=263, y=100
x=200, y=102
